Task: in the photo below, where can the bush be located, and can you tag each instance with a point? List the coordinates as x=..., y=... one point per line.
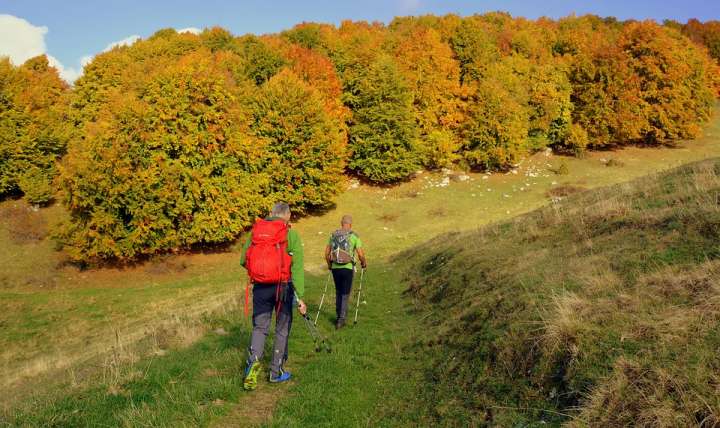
x=576, y=139
x=440, y=149
x=562, y=169
x=36, y=186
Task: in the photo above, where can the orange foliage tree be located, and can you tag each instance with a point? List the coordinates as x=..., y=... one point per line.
x=433, y=75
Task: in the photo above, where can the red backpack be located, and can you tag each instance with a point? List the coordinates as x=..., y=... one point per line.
x=267, y=260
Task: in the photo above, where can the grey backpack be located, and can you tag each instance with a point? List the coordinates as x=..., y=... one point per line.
x=340, y=247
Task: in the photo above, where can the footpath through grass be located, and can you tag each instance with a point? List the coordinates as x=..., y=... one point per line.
x=202, y=384
x=63, y=312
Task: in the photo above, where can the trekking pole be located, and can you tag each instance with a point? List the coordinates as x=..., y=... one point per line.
x=322, y=299
x=357, y=304
x=318, y=338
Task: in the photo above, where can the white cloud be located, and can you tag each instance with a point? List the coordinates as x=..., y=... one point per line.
x=85, y=60
x=20, y=41
x=69, y=74
x=192, y=30
x=127, y=41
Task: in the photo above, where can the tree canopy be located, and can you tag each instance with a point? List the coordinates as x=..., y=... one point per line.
x=182, y=139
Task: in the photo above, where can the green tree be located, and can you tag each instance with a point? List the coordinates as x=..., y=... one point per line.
x=260, y=62
x=496, y=129
x=383, y=130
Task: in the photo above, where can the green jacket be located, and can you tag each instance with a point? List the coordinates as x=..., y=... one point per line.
x=295, y=250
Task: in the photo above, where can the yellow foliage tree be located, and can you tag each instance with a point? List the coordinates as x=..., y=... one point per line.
x=33, y=127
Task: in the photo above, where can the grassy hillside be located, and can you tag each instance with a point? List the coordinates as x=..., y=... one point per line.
x=602, y=309
x=91, y=330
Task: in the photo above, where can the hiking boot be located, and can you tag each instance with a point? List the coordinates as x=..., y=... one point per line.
x=339, y=324
x=282, y=377
x=251, y=376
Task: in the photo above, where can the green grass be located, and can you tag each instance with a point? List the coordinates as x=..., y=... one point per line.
x=58, y=321
x=184, y=388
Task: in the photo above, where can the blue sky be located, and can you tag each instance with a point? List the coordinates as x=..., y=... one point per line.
x=79, y=28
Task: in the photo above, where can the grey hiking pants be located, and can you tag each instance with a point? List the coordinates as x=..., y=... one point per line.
x=343, y=279
x=265, y=302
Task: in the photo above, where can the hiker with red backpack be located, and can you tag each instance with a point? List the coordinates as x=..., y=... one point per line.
x=273, y=257
x=340, y=253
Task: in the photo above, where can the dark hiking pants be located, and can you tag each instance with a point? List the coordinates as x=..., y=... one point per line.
x=343, y=284
x=265, y=301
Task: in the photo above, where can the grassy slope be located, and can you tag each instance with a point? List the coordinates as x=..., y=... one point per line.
x=389, y=220
x=603, y=309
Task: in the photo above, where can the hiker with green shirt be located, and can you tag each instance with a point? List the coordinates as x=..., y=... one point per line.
x=340, y=253
x=273, y=256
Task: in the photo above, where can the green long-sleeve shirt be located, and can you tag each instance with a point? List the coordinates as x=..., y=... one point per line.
x=295, y=250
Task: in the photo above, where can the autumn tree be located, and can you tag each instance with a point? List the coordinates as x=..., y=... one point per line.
x=704, y=33
x=33, y=127
x=317, y=70
x=169, y=165
x=475, y=48
x=496, y=129
x=433, y=75
x=303, y=142
x=674, y=81
x=604, y=88
x=260, y=61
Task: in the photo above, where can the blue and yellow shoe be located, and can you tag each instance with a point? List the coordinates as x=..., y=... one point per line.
x=251, y=376
x=282, y=377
